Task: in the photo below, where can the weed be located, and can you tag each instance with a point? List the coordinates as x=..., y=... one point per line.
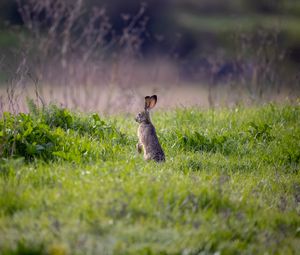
x=53, y=132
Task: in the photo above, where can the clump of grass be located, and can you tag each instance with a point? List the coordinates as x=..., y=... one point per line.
x=196, y=141
x=25, y=249
x=14, y=199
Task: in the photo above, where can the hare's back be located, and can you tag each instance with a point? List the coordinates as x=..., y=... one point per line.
x=147, y=133
x=149, y=140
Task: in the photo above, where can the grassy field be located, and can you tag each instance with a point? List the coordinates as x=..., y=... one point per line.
x=73, y=183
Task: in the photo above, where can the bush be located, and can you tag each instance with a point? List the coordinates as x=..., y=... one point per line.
x=23, y=137
x=54, y=132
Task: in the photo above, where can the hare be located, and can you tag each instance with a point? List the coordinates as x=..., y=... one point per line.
x=148, y=140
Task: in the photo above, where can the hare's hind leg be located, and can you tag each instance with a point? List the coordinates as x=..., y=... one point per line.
x=139, y=147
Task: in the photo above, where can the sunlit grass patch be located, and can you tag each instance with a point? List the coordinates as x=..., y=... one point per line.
x=230, y=184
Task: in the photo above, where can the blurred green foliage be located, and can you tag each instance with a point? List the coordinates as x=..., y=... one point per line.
x=193, y=21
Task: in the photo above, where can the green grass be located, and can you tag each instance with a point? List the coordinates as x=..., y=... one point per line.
x=8, y=38
x=230, y=185
x=244, y=23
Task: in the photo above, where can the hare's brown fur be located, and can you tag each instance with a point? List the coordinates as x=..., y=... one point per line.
x=148, y=141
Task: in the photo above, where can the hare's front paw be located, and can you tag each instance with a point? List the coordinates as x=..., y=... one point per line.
x=139, y=147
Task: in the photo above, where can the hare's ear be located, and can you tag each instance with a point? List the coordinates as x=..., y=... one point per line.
x=153, y=100
x=150, y=102
x=147, y=102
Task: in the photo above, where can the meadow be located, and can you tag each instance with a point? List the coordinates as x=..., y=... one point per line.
x=73, y=183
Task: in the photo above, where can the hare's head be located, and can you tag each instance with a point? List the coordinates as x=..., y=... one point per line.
x=144, y=116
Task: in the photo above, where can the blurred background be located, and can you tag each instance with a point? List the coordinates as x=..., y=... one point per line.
x=107, y=55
